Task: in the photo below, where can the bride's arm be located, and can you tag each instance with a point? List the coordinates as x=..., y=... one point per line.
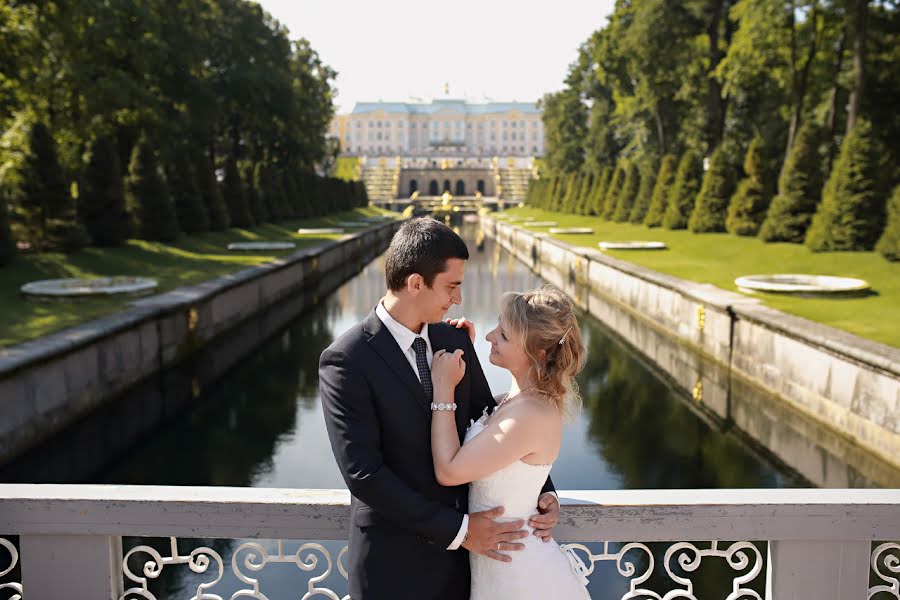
x=502, y=443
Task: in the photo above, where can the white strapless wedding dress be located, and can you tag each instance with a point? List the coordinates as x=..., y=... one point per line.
x=542, y=570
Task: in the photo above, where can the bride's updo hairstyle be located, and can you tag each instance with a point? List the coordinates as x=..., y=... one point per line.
x=543, y=319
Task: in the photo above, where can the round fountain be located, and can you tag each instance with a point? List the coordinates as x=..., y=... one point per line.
x=88, y=287
x=802, y=284
x=632, y=245
x=255, y=246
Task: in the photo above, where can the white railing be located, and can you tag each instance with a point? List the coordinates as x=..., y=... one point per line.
x=821, y=542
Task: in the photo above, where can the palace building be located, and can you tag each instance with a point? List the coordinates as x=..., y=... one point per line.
x=442, y=128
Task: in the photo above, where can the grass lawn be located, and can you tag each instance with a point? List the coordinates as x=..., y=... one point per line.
x=189, y=260
x=719, y=258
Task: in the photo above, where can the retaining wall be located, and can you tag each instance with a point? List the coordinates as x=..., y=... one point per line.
x=850, y=384
x=49, y=382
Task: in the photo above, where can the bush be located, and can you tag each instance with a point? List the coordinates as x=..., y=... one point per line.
x=851, y=214
x=101, y=201
x=7, y=243
x=212, y=194
x=254, y=193
x=750, y=202
x=799, y=189
x=628, y=193
x=46, y=200
x=711, y=204
x=889, y=244
x=659, y=199
x=186, y=194
x=235, y=196
x=611, y=197
x=683, y=192
x=147, y=192
x=644, y=194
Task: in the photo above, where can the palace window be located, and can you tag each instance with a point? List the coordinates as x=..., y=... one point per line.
x=513, y=124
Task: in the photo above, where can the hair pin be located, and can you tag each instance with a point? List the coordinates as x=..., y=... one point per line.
x=563, y=338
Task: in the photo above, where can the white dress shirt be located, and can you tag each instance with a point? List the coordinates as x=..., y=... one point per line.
x=405, y=338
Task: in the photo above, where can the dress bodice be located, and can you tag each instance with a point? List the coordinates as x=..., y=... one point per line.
x=516, y=486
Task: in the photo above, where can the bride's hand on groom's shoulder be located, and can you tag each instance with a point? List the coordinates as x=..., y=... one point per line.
x=447, y=369
x=461, y=323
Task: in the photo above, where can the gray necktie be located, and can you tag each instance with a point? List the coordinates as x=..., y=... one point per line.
x=422, y=365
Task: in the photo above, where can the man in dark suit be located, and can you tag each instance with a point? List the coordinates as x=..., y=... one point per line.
x=409, y=535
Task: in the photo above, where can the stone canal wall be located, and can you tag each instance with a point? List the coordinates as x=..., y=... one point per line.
x=49, y=382
x=847, y=383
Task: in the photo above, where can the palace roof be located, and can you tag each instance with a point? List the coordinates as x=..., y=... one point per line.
x=435, y=106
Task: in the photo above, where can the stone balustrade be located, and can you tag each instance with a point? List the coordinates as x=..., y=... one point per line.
x=794, y=543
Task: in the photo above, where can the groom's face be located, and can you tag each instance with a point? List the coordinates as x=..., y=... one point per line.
x=445, y=291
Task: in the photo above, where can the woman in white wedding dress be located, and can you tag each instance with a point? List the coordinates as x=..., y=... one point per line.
x=506, y=455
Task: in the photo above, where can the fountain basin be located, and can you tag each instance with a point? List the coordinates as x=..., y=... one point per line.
x=261, y=246
x=792, y=283
x=632, y=245
x=87, y=287
x=320, y=231
x=570, y=230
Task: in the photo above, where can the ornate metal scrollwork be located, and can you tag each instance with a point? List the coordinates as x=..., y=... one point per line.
x=886, y=556
x=688, y=556
x=248, y=558
x=13, y=561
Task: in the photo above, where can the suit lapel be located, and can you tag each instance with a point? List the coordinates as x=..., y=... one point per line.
x=386, y=346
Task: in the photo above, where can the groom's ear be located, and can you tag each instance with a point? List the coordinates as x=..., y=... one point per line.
x=415, y=283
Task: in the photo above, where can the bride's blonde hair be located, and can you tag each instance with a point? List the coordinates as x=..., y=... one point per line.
x=544, y=320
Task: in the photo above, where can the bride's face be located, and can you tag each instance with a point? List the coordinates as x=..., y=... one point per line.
x=507, y=348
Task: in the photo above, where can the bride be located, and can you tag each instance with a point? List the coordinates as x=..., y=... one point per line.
x=506, y=455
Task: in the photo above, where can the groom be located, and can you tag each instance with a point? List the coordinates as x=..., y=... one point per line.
x=408, y=534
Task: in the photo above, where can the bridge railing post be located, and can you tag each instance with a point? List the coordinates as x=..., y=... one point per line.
x=74, y=567
x=820, y=569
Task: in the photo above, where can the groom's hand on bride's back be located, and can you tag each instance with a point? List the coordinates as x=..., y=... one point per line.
x=490, y=538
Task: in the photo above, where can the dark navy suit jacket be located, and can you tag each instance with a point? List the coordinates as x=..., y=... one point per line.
x=379, y=424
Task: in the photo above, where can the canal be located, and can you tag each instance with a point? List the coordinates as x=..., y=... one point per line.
x=260, y=424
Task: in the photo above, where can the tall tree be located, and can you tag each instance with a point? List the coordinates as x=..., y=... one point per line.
x=683, y=191
x=748, y=206
x=852, y=212
x=101, y=203
x=147, y=192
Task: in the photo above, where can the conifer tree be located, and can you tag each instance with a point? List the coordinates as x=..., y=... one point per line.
x=683, y=192
x=711, y=205
x=186, y=194
x=7, y=243
x=889, y=244
x=659, y=199
x=851, y=214
x=235, y=196
x=255, y=194
x=799, y=190
x=644, y=194
x=211, y=194
x=147, y=192
x=596, y=201
x=628, y=194
x=101, y=202
x=45, y=196
x=748, y=206
x=612, y=192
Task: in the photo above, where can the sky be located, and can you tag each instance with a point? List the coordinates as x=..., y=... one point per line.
x=406, y=51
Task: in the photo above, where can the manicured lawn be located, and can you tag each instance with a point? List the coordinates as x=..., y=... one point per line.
x=720, y=258
x=189, y=260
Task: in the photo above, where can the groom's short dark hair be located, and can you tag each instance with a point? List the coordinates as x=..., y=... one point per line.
x=421, y=246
